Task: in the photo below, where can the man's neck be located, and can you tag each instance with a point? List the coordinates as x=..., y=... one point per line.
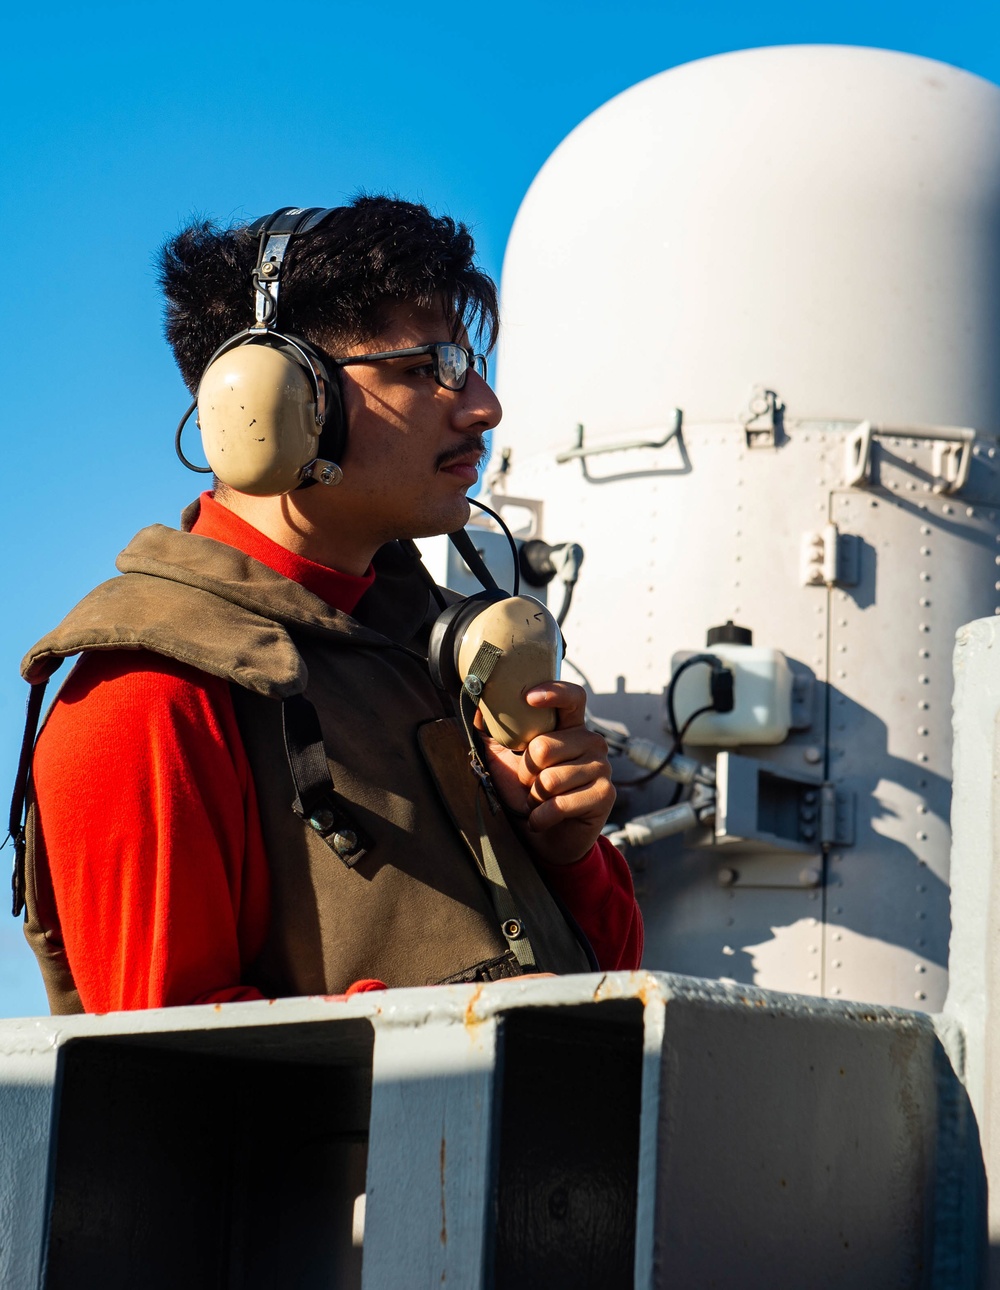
x=294, y=522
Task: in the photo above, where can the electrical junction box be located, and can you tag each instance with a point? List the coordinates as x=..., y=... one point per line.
x=762, y=697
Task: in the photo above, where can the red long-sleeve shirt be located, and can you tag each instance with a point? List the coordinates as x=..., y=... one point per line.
x=152, y=829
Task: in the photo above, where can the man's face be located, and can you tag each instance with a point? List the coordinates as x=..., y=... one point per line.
x=413, y=446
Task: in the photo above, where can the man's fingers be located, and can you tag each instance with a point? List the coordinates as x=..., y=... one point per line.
x=567, y=777
x=591, y=802
x=564, y=746
x=570, y=701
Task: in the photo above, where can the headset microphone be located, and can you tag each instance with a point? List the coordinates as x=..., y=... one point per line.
x=491, y=648
x=269, y=406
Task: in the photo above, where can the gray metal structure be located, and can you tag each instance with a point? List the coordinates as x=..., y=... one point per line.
x=585, y=1132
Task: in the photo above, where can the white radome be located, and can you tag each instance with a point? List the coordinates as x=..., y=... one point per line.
x=822, y=223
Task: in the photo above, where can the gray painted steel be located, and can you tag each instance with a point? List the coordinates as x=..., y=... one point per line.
x=974, y=988
x=606, y=1130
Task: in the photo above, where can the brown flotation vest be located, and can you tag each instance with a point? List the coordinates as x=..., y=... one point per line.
x=389, y=881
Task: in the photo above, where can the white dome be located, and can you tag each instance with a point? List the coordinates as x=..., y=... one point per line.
x=821, y=220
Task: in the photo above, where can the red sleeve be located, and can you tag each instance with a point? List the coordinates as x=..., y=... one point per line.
x=150, y=824
x=597, y=891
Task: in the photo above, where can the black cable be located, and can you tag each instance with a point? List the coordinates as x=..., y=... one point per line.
x=510, y=538
x=198, y=470
x=567, y=600
x=675, y=748
x=711, y=660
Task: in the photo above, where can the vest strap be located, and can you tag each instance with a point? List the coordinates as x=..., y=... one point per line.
x=315, y=801
x=16, y=819
x=511, y=923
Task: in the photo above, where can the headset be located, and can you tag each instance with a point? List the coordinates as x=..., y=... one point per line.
x=269, y=406
x=492, y=647
x=272, y=420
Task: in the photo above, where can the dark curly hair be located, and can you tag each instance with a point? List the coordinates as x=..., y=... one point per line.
x=337, y=284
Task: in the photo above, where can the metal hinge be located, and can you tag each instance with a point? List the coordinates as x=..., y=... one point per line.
x=836, y=816
x=761, y=419
x=830, y=558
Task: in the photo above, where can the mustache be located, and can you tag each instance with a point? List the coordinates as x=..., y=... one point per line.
x=462, y=450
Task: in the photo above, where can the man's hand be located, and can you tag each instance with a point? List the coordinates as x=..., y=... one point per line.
x=562, y=780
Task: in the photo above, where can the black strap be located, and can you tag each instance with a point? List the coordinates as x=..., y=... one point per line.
x=465, y=547
x=291, y=219
x=306, y=754
x=315, y=801
x=16, y=820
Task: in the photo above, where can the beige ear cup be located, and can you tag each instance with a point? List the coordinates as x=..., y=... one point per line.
x=530, y=646
x=257, y=413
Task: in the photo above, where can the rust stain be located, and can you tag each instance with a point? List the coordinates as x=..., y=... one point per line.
x=444, y=1215
x=218, y=1007
x=649, y=991
x=470, y=1008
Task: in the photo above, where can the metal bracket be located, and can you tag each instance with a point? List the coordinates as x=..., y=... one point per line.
x=952, y=453
x=580, y=452
x=952, y=460
x=830, y=558
x=836, y=816
x=858, y=449
x=761, y=807
x=761, y=420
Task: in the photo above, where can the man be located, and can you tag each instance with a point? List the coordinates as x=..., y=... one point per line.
x=169, y=857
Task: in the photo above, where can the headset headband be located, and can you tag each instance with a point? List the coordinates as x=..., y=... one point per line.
x=276, y=231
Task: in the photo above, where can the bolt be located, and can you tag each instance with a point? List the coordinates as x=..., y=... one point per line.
x=345, y=842
x=727, y=877
x=321, y=820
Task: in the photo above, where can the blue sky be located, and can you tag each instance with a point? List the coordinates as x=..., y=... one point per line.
x=123, y=121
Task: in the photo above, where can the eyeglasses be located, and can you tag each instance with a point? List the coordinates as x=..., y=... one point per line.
x=450, y=361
